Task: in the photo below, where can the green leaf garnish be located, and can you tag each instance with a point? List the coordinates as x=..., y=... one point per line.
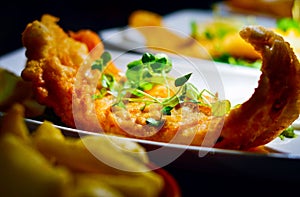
x=288, y=133
x=106, y=57
x=190, y=91
x=171, y=101
x=167, y=110
x=228, y=59
x=147, y=57
x=221, y=108
x=182, y=80
x=288, y=23
x=153, y=122
x=194, y=29
x=108, y=81
x=145, y=73
x=101, y=63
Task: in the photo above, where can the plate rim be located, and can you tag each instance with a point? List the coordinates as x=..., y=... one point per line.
x=33, y=124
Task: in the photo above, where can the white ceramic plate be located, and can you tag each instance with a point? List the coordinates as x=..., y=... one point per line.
x=128, y=39
x=237, y=84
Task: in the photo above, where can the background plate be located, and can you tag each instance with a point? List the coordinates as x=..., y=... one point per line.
x=128, y=39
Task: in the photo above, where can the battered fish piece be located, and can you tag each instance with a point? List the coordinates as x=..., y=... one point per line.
x=53, y=65
x=275, y=104
x=273, y=107
x=53, y=59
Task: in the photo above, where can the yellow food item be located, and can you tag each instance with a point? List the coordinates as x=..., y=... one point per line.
x=141, y=18
x=234, y=45
x=85, y=154
x=44, y=162
x=221, y=36
x=26, y=172
x=13, y=122
x=87, y=186
x=135, y=186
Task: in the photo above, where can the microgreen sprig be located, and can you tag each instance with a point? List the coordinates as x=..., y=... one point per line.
x=151, y=69
x=143, y=74
x=101, y=63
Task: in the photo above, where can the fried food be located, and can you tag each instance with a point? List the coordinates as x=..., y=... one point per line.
x=221, y=36
x=15, y=90
x=44, y=162
x=90, y=38
x=275, y=103
x=271, y=109
x=53, y=61
x=141, y=18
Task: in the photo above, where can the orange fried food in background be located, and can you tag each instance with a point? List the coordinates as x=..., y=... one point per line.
x=141, y=18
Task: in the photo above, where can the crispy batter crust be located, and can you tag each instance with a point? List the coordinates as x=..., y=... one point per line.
x=275, y=103
x=54, y=59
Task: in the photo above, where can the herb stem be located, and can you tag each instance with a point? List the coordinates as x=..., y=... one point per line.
x=148, y=95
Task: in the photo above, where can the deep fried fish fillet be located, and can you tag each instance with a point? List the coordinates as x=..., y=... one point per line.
x=275, y=103
x=272, y=108
x=54, y=60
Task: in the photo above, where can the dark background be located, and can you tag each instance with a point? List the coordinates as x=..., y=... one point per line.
x=95, y=15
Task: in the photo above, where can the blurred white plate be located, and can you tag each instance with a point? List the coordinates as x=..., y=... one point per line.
x=128, y=39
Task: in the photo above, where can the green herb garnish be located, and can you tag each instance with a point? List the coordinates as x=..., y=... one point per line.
x=182, y=80
x=285, y=24
x=151, y=70
x=194, y=29
x=288, y=133
x=101, y=63
x=227, y=58
x=153, y=122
